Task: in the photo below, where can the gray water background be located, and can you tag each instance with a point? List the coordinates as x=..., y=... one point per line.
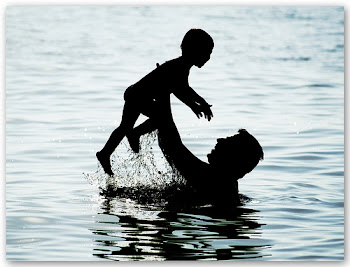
x=276, y=71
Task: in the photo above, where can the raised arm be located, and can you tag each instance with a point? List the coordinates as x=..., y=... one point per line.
x=184, y=92
x=197, y=103
x=178, y=156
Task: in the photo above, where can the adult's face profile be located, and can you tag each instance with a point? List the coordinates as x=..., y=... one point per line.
x=236, y=155
x=223, y=151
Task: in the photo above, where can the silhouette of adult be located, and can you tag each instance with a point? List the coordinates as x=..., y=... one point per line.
x=230, y=160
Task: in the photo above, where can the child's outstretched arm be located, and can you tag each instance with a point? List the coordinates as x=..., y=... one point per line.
x=195, y=102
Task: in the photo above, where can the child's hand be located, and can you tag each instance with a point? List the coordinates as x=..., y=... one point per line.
x=208, y=114
x=197, y=110
x=205, y=109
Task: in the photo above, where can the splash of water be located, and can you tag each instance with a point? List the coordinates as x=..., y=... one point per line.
x=145, y=176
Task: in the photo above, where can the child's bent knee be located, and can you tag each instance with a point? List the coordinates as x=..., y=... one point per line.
x=125, y=128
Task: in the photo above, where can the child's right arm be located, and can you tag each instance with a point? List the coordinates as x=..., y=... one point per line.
x=189, y=97
x=195, y=102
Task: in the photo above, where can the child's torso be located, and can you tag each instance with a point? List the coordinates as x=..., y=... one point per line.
x=162, y=81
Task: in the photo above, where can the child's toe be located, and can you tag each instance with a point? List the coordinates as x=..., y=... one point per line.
x=106, y=165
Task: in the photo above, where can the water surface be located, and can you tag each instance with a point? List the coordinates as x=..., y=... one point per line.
x=276, y=71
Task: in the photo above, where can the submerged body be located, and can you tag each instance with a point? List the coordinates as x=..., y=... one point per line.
x=231, y=159
x=206, y=179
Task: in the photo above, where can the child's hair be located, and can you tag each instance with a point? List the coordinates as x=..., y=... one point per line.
x=196, y=39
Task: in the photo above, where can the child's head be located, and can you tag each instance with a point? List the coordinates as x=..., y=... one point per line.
x=237, y=155
x=197, y=46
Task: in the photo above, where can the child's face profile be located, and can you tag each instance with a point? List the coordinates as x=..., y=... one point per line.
x=202, y=57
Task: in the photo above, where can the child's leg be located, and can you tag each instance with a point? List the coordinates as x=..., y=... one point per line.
x=130, y=115
x=156, y=112
x=134, y=136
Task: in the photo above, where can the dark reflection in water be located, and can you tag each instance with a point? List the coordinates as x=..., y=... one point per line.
x=185, y=230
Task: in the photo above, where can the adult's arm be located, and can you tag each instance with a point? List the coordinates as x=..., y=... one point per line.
x=178, y=155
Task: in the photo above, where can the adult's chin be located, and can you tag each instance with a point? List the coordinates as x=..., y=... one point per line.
x=209, y=157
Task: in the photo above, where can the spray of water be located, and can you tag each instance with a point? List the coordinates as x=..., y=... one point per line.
x=145, y=176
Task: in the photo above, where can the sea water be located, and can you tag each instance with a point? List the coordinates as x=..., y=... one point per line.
x=276, y=71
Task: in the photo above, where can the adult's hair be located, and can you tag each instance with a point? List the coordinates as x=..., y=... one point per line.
x=240, y=151
x=251, y=151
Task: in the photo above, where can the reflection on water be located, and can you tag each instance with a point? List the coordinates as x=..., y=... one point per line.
x=145, y=215
x=127, y=230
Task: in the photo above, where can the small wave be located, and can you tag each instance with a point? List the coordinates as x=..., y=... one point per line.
x=318, y=85
x=294, y=58
x=333, y=174
x=305, y=185
x=306, y=157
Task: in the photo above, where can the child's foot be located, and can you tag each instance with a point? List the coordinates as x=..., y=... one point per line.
x=106, y=165
x=134, y=142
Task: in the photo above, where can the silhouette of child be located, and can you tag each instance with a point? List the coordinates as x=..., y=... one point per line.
x=151, y=95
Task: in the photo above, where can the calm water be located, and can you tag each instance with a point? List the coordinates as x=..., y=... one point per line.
x=278, y=72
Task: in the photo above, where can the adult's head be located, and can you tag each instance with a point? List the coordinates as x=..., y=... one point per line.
x=236, y=155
